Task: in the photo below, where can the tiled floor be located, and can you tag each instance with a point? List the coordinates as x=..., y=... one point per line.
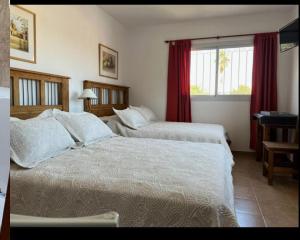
x=259, y=205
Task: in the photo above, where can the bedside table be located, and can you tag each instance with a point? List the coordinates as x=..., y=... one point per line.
x=228, y=140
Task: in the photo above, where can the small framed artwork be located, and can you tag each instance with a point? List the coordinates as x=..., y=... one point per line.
x=22, y=34
x=108, y=62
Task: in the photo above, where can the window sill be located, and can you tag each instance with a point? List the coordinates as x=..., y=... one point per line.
x=238, y=98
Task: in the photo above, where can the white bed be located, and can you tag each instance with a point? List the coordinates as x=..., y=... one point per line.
x=149, y=182
x=193, y=132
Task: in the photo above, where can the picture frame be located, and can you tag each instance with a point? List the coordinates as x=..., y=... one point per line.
x=108, y=62
x=22, y=34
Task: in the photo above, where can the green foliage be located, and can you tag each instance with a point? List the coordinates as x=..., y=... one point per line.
x=195, y=90
x=223, y=60
x=241, y=90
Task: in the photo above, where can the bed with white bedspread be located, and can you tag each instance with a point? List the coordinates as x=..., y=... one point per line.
x=149, y=182
x=181, y=131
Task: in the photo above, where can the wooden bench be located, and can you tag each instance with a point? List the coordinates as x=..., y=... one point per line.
x=271, y=165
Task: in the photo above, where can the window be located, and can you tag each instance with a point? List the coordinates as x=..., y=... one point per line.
x=221, y=71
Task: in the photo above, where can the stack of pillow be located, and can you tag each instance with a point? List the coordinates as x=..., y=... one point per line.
x=52, y=133
x=135, y=117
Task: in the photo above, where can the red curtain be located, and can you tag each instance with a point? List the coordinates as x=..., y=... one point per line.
x=178, y=95
x=264, y=78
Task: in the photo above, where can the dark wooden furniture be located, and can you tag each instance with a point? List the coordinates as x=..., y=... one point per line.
x=33, y=92
x=267, y=126
x=273, y=165
x=109, y=96
x=228, y=140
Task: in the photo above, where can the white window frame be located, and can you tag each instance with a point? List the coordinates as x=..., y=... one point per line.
x=248, y=42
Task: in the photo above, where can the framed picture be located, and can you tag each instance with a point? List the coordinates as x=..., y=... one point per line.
x=22, y=34
x=108, y=62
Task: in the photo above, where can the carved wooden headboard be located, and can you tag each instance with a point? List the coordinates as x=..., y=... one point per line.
x=33, y=92
x=109, y=96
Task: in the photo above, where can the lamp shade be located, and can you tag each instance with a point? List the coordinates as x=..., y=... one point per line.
x=87, y=93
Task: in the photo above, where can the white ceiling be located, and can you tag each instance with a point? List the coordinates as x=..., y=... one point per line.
x=143, y=15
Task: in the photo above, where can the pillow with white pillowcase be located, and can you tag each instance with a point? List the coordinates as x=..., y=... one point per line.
x=45, y=114
x=113, y=123
x=12, y=119
x=35, y=140
x=107, y=119
x=147, y=113
x=131, y=118
x=85, y=127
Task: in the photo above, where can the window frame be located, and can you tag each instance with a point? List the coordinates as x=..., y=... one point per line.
x=217, y=47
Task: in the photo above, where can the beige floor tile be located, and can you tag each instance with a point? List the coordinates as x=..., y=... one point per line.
x=249, y=220
x=280, y=215
x=244, y=192
x=269, y=194
x=239, y=179
x=246, y=206
x=256, y=201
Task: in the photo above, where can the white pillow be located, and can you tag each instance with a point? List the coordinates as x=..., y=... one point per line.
x=85, y=127
x=145, y=112
x=131, y=118
x=12, y=119
x=113, y=123
x=107, y=119
x=46, y=113
x=35, y=140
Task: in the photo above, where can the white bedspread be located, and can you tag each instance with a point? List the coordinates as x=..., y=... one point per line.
x=149, y=182
x=193, y=132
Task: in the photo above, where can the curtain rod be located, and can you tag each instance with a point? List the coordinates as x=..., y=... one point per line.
x=217, y=37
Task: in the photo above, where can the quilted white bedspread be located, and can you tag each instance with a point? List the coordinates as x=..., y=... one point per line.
x=149, y=182
x=193, y=132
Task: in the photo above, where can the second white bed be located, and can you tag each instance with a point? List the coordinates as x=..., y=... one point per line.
x=180, y=131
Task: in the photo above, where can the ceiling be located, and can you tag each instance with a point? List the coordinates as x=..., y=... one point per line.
x=145, y=15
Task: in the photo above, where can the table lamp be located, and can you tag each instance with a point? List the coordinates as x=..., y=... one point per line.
x=88, y=94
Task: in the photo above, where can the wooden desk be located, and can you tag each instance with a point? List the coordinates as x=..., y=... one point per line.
x=266, y=130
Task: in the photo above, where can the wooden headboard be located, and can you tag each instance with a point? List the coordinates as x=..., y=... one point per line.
x=33, y=92
x=109, y=96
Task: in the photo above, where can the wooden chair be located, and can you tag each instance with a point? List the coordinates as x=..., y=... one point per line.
x=273, y=165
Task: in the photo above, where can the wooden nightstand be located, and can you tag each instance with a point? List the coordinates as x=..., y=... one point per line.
x=228, y=140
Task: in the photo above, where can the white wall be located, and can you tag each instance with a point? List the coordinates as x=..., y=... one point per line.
x=148, y=69
x=293, y=90
x=67, y=44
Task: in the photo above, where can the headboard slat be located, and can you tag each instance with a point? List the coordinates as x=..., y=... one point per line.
x=35, y=95
x=105, y=109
